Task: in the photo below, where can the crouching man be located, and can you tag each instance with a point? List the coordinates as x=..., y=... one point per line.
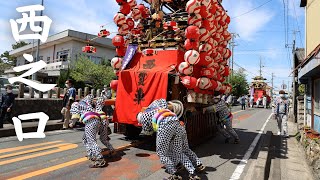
x=171, y=139
x=95, y=121
x=225, y=119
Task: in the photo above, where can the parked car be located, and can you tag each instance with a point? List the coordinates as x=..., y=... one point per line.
x=4, y=82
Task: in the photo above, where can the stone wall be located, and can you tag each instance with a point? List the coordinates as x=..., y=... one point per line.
x=312, y=150
x=300, y=113
x=50, y=106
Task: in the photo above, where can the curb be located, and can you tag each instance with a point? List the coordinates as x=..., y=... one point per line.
x=6, y=132
x=260, y=168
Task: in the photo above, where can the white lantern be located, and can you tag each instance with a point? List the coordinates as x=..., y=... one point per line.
x=192, y=57
x=193, y=6
x=119, y=19
x=116, y=63
x=204, y=83
x=185, y=68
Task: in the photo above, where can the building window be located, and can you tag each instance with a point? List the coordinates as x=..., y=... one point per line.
x=95, y=59
x=317, y=97
x=40, y=58
x=48, y=60
x=62, y=55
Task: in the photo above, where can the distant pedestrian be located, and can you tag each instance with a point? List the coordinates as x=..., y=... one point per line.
x=225, y=118
x=68, y=99
x=6, y=105
x=264, y=101
x=243, y=102
x=281, y=111
x=251, y=101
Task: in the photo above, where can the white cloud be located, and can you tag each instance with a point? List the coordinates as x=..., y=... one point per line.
x=247, y=25
x=6, y=37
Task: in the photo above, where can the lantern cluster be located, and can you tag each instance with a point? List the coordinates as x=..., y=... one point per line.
x=206, y=40
x=127, y=20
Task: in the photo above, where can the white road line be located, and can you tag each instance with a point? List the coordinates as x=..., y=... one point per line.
x=238, y=171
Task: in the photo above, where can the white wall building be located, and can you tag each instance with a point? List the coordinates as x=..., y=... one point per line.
x=63, y=49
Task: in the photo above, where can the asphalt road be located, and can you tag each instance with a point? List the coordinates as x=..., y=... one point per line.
x=61, y=155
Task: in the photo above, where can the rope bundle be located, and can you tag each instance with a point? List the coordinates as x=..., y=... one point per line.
x=178, y=108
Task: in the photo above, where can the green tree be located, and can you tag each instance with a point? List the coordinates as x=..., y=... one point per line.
x=7, y=59
x=239, y=83
x=19, y=44
x=84, y=70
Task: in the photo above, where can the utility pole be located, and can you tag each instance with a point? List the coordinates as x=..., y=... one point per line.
x=260, y=69
x=232, y=44
x=34, y=76
x=272, y=75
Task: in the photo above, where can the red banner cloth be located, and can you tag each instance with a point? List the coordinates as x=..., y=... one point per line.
x=145, y=81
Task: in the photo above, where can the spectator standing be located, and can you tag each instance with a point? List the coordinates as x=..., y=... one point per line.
x=264, y=101
x=68, y=99
x=281, y=111
x=243, y=102
x=6, y=105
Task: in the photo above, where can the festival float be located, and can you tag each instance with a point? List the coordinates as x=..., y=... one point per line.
x=258, y=89
x=171, y=49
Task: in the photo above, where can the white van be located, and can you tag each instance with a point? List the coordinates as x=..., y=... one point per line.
x=4, y=82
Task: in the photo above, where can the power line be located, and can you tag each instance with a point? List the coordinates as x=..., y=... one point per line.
x=284, y=23
x=252, y=10
x=296, y=17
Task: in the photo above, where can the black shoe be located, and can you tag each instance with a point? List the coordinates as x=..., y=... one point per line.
x=237, y=141
x=200, y=168
x=227, y=141
x=194, y=177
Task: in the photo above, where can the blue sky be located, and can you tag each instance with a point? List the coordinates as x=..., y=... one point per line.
x=262, y=31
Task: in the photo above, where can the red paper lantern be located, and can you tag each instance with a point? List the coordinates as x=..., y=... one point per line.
x=227, y=54
x=223, y=89
x=136, y=13
x=119, y=19
x=118, y=40
x=195, y=20
x=125, y=8
x=214, y=85
x=143, y=10
x=193, y=6
x=189, y=82
x=132, y=3
x=121, y=51
x=208, y=72
x=120, y=2
x=130, y=23
x=203, y=12
x=226, y=71
x=114, y=85
x=207, y=24
x=192, y=32
x=205, y=59
x=189, y=44
x=213, y=9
